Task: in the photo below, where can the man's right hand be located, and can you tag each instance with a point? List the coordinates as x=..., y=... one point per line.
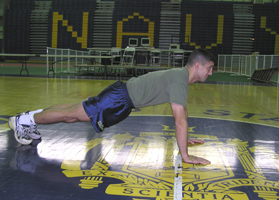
x=195, y=160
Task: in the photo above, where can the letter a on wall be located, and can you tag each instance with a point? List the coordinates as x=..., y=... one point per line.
x=120, y=33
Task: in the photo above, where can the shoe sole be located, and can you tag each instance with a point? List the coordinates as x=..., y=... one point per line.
x=11, y=125
x=34, y=136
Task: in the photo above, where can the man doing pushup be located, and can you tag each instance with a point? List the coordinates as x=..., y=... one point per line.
x=116, y=102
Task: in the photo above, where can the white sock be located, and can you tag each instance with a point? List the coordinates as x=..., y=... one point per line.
x=29, y=118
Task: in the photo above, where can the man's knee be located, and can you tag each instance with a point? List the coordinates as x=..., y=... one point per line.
x=75, y=113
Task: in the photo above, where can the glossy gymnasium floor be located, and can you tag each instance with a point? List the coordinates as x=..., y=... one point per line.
x=138, y=159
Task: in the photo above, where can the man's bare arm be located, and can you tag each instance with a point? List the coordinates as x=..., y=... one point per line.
x=180, y=115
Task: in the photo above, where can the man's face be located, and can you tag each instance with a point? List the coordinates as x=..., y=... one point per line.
x=205, y=70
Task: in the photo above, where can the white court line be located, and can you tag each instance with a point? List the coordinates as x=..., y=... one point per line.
x=178, y=179
x=177, y=188
x=178, y=164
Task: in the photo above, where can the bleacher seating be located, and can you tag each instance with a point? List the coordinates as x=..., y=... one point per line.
x=136, y=17
x=21, y=5
x=74, y=4
x=264, y=75
x=16, y=28
x=17, y=31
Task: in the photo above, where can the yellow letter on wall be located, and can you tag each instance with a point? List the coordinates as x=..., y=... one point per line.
x=263, y=25
x=120, y=33
x=83, y=39
x=220, y=31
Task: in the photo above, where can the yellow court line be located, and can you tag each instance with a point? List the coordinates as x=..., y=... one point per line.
x=4, y=130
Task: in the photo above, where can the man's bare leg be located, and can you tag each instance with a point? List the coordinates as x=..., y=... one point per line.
x=68, y=113
x=63, y=105
x=25, y=125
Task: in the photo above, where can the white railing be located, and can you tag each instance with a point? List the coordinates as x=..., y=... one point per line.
x=246, y=64
x=64, y=62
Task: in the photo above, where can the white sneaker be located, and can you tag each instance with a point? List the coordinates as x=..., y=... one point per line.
x=34, y=133
x=20, y=131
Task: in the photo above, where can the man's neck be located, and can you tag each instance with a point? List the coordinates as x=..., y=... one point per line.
x=191, y=75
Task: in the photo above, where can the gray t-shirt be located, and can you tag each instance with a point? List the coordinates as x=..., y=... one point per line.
x=160, y=87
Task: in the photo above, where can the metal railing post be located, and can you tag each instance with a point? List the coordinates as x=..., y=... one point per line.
x=239, y=64
x=231, y=62
x=225, y=62
x=264, y=62
x=47, y=60
x=218, y=63
x=69, y=61
x=271, y=62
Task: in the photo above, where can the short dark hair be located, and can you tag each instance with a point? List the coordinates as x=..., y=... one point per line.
x=200, y=55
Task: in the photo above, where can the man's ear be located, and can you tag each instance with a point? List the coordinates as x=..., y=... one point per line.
x=197, y=66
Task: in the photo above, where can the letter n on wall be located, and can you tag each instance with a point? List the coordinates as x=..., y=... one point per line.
x=59, y=17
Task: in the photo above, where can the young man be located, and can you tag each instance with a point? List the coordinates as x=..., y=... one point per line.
x=115, y=103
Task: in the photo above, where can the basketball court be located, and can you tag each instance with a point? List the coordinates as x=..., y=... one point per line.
x=138, y=158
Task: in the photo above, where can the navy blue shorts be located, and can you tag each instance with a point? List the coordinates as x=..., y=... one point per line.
x=110, y=107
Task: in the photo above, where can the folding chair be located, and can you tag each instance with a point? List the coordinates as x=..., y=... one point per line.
x=128, y=56
x=155, y=57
